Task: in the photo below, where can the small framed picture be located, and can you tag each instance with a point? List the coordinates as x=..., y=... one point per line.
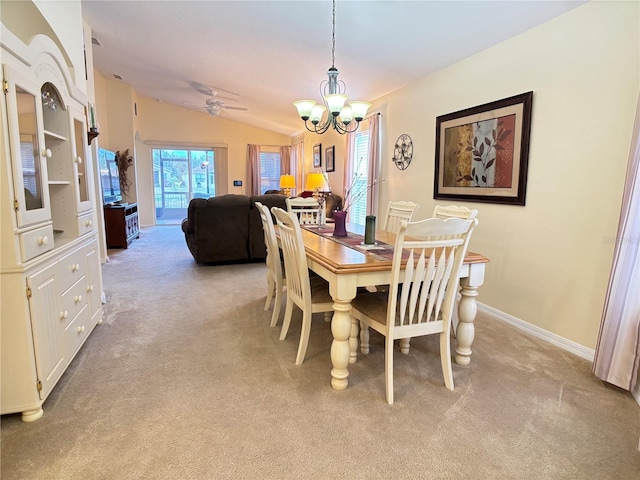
x=317, y=155
x=329, y=159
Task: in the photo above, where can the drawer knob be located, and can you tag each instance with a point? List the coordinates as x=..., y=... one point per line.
x=43, y=240
x=89, y=288
x=75, y=267
x=47, y=153
x=64, y=315
x=78, y=159
x=78, y=298
x=81, y=329
x=88, y=223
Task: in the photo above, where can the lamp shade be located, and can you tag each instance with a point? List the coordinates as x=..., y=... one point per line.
x=304, y=108
x=316, y=181
x=287, y=181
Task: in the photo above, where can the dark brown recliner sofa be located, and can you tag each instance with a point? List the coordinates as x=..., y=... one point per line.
x=227, y=229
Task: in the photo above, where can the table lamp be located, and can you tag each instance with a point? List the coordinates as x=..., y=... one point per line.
x=287, y=182
x=317, y=183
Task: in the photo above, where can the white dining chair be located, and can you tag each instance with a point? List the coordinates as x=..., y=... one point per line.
x=396, y=212
x=310, y=294
x=421, y=297
x=275, y=278
x=308, y=210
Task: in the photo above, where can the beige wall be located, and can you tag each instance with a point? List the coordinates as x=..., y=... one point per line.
x=550, y=260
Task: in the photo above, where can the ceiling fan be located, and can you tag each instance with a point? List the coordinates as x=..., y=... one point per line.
x=215, y=104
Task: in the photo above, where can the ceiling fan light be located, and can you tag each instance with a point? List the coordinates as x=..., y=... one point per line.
x=304, y=108
x=335, y=102
x=346, y=115
x=316, y=113
x=359, y=109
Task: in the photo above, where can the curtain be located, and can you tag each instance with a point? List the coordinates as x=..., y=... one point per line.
x=374, y=163
x=285, y=160
x=618, y=349
x=296, y=166
x=253, y=167
x=349, y=165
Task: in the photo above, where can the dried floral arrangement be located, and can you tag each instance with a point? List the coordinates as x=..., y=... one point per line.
x=124, y=161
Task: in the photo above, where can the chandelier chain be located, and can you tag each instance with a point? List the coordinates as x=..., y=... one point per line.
x=333, y=37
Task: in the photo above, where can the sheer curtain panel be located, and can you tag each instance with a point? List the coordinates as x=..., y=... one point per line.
x=253, y=168
x=618, y=350
x=374, y=163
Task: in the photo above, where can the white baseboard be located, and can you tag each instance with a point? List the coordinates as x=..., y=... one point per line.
x=557, y=340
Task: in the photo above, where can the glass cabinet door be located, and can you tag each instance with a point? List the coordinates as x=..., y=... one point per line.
x=28, y=155
x=80, y=160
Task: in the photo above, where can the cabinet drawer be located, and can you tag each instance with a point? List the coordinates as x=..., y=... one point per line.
x=36, y=242
x=85, y=224
x=71, y=269
x=74, y=300
x=77, y=331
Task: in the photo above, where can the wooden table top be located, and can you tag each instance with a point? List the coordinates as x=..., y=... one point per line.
x=338, y=258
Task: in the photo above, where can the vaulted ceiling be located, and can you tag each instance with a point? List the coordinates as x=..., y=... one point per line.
x=263, y=55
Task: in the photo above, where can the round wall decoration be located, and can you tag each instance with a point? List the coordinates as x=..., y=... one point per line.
x=403, y=151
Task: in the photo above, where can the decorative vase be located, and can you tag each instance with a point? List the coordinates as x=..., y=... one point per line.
x=339, y=229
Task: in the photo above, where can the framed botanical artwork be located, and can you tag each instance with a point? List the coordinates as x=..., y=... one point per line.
x=482, y=152
x=329, y=159
x=317, y=155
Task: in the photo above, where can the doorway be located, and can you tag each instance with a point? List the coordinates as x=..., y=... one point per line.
x=178, y=176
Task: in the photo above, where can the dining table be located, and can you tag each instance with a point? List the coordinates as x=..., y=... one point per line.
x=347, y=263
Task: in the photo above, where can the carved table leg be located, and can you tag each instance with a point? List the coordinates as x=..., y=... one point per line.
x=467, y=310
x=340, y=348
x=342, y=289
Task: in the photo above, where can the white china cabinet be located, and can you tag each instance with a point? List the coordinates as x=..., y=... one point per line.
x=51, y=278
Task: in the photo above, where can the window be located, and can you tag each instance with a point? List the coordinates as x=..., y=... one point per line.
x=269, y=171
x=359, y=179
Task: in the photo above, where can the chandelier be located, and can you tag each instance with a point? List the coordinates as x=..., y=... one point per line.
x=340, y=116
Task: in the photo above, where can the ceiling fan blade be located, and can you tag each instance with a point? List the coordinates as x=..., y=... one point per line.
x=210, y=90
x=229, y=107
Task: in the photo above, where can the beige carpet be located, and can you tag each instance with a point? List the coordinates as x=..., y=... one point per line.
x=185, y=380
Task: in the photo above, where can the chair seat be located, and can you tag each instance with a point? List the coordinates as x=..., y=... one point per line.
x=320, y=290
x=373, y=305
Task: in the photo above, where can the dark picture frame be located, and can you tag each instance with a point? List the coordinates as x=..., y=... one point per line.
x=317, y=155
x=329, y=158
x=482, y=153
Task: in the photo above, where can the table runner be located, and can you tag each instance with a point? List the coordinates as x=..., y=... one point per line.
x=380, y=251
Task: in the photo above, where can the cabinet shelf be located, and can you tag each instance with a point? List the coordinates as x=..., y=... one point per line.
x=59, y=182
x=55, y=136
